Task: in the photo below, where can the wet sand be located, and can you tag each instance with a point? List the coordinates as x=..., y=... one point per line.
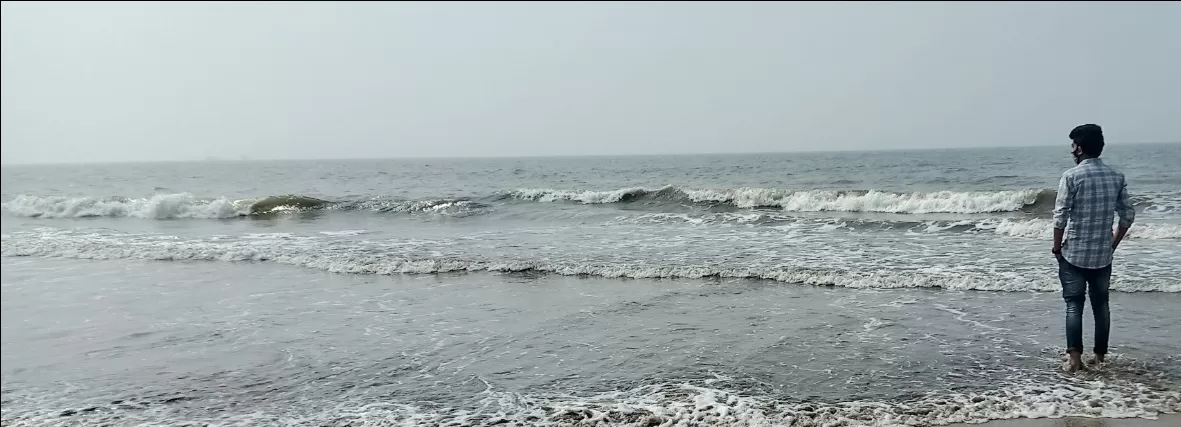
x=1165, y=420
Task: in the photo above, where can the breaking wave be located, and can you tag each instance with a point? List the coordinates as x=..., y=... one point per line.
x=186, y=206
x=163, y=206
x=666, y=199
x=810, y=200
x=449, y=207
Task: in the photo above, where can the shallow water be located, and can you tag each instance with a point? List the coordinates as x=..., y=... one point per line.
x=256, y=344
x=904, y=288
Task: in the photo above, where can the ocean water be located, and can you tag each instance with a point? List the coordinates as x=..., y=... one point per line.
x=872, y=288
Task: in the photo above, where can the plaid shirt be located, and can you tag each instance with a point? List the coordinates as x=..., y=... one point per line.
x=1089, y=196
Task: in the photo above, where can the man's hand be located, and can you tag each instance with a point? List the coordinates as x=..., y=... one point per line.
x=1118, y=236
x=1057, y=250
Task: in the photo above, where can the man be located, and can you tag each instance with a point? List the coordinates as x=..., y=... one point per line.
x=1089, y=196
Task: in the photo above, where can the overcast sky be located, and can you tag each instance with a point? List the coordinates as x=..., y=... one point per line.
x=177, y=81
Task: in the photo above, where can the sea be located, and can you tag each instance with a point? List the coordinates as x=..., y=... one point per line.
x=892, y=288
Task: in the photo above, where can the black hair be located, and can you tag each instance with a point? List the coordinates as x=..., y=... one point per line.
x=1088, y=138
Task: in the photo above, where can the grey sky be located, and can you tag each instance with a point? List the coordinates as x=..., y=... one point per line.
x=164, y=81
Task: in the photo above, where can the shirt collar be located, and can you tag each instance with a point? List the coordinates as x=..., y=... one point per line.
x=1090, y=160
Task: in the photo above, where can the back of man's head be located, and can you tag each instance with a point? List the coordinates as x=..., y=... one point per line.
x=1088, y=138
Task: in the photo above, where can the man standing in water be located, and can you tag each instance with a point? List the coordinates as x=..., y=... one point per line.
x=1089, y=196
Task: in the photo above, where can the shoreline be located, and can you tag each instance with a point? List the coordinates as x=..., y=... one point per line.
x=1162, y=420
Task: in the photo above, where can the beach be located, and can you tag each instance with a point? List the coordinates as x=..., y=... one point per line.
x=1165, y=420
x=709, y=290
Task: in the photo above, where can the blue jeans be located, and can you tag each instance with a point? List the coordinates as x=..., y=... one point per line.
x=1076, y=282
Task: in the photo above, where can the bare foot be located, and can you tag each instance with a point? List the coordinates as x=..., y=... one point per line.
x=1100, y=358
x=1074, y=363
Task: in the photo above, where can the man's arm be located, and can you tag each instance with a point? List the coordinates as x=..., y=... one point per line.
x=1127, y=214
x=1063, y=203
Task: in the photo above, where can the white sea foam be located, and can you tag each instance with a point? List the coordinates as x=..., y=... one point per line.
x=445, y=207
x=1044, y=228
x=161, y=206
x=697, y=405
x=809, y=200
x=185, y=205
x=587, y=197
x=401, y=258
x=344, y=233
x=872, y=201
x=680, y=404
x=1039, y=228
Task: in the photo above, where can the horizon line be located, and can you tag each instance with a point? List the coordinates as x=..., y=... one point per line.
x=246, y=159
